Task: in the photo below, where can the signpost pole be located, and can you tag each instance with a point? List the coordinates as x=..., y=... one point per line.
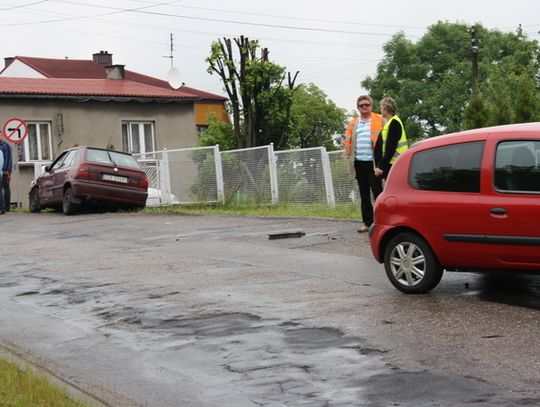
x=16, y=162
x=15, y=130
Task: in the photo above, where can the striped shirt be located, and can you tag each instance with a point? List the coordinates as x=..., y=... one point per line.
x=363, y=141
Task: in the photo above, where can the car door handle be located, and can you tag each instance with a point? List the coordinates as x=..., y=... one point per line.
x=498, y=211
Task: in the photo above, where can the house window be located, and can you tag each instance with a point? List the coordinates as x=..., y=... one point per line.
x=138, y=137
x=38, y=145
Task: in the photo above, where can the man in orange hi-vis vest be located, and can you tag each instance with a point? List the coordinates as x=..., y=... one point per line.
x=360, y=138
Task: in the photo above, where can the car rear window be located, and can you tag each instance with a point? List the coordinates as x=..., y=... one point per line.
x=453, y=168
x=517, y=166
x=111, y=157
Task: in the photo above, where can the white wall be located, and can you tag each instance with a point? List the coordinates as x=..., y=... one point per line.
x=19, y=70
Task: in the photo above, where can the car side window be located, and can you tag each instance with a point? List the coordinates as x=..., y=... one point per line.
x=68, y=161
x=453, y=168
x=58, y=162
x=517, y=167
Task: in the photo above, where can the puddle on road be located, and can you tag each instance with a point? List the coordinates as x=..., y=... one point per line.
x=271, y=361
x=426, y=389
x=317, y=338
x=511, y=288
x=200, y=326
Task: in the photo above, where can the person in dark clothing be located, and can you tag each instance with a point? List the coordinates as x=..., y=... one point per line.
x=2, y=203
x=6, y=171
x=392, y=139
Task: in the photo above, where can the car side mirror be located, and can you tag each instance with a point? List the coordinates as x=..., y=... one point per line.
x=47, y=168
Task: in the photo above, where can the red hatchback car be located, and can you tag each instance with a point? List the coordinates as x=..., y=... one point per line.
x=87, y=174
x=463, y=201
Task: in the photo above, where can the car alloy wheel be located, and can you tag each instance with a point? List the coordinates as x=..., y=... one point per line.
x=410, y=264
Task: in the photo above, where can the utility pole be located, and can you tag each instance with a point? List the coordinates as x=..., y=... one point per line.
x=474, y=58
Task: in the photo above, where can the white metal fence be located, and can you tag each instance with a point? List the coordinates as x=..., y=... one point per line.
x=258, y=175
x=186, y=175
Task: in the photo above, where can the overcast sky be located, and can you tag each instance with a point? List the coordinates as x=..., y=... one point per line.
x=334, y=44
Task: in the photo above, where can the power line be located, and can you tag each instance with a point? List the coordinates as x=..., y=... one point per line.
x=142, y=10
x=319, y=20
x=118, y=11
x=162, y=28
x=23, y=5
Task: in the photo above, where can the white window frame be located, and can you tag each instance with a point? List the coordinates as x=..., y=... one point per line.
x=142, y=136
x=26, y=143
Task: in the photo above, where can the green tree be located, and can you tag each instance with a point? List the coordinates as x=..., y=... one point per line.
x=476, y=113
x=526, y=101
x=431, y=79
x=219, y=133
x=314, y=119
x=499, y=100
x=259, y=97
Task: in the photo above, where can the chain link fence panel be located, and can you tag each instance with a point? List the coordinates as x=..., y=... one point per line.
x=345, y=187
x=248, y=176
x=253, y=175
x=183, y=176
x=301, y=176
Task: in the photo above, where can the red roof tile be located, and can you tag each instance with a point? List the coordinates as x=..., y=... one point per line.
x=65, y=68
x=88, y=69
x=87, y=87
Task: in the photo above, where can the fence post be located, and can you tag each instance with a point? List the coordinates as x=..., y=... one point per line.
x=328, y=183
x=219, y=174
x=272, y=167
x=165, y=179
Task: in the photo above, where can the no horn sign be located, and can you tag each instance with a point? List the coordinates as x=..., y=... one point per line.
x=15, y=130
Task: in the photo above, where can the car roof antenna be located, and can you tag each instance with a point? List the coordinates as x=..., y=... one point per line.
x=109, y=147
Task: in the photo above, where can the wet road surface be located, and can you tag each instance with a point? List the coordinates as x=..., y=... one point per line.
x=156, y=310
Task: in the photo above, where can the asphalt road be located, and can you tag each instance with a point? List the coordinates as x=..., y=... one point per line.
x=157, y=310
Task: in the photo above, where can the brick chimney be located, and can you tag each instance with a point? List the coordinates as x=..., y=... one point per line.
x=8, y=61
x=114, y=72
x=102, y=58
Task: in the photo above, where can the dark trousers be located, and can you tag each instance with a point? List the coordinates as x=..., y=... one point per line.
x=367, y=183
x=2, y=200
x=7, y=192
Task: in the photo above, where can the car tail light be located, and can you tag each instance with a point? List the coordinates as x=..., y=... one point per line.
x=143, y=182
x=84, y=172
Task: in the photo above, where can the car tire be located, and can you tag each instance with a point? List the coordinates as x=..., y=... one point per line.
x=411, y=265
x=35, y=206
x=68, y=206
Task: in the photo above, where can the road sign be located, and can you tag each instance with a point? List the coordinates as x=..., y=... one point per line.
x=15, y=130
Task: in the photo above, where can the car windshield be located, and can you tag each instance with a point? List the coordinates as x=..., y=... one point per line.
x=111, y=157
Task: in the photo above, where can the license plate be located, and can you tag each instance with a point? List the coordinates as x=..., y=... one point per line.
x=114, y=178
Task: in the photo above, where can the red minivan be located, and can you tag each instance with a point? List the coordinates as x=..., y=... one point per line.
x=463, y=201
x=90, y=175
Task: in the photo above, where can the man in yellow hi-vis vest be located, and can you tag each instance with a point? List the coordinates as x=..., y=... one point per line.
x=392, y=140
x=359, y=140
